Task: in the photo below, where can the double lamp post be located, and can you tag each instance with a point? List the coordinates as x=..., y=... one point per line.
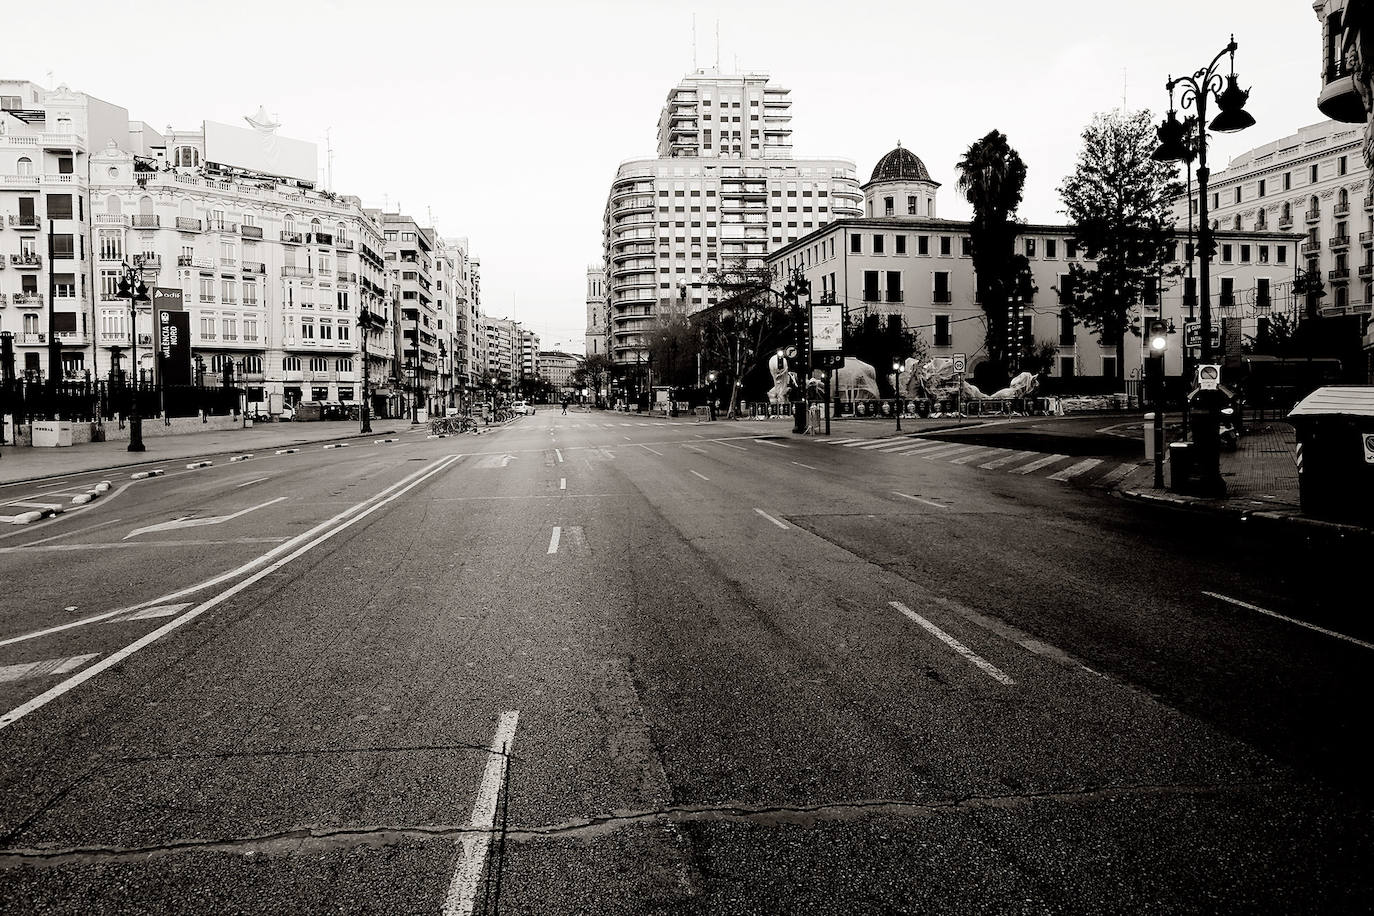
x=1175, y=144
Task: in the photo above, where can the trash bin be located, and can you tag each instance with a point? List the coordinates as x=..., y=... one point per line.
x=1335, y=453
x=1180, y=465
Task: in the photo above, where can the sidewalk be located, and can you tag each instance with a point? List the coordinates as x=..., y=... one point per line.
x=20, y=464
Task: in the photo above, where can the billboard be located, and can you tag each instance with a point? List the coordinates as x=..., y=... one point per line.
x=173, y=347
x=261, y=151
x=827, y=328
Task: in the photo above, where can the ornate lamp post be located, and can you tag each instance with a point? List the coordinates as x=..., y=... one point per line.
x=897, y=391
x=135, y=290
x=1174, y=146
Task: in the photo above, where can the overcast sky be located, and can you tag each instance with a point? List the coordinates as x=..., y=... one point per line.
x=506, y=121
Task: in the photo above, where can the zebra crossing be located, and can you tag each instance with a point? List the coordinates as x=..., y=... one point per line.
x=1096, y=472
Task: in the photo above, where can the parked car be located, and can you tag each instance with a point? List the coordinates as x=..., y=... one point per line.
x=521, y=407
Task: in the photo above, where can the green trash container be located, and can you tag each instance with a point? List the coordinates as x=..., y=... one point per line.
x=1335, y=453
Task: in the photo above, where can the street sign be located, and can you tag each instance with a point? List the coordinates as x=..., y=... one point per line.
x=960, y=361
x=1192, y=335
x=167, y=298
x=1369, y=448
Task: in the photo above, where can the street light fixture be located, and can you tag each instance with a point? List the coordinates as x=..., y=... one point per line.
x=897, y=391
x=1175, y=145
x=135, y=290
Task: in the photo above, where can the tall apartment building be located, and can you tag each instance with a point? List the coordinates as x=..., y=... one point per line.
x=557, y=368
x=409, y=260
x=919, y=268
x=502, y=344
x=724, y=189
x=1313, y=182
x=598, y=318
x=466, y=316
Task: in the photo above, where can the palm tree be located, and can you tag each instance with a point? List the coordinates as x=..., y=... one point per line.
x=992, y=178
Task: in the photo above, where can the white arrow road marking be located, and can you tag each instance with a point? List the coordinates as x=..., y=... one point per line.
x=462, y=890
x=985, y=666
x=553, y=540
x=47, y=666
x=190, y=522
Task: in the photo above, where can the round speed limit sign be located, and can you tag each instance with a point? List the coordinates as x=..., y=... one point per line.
x=1369, y=449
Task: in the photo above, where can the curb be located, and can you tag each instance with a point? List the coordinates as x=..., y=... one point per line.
x=240, y=458
x=199, y=464
x=1270, y=516
x=287, y=451
x=144, y=475
x=337, y=445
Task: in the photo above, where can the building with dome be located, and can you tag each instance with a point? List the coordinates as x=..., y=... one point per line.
x=723, y=188
x=901, y=259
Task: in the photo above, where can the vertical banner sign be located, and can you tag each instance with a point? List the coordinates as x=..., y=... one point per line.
x=174, y=347
x=827, y=335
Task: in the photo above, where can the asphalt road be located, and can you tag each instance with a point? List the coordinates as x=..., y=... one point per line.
x=602, y=664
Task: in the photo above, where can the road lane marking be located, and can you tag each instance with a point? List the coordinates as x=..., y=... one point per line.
x=772, y=443
x=462, y=889
x=1073, y=470
x=148, y=613
x=985, y=666
x=699, y=451
x=647, y=449
x=838, y=441
x=702, y=476
x=781, y=525
x=201, y=522
x=48, y=666
x=357, y=512
x=249, y=483
x=553, y=540
x=928, y=449
x=950, y=452
x=920, y=499
x=733, y=446
x=562, y=483
x=626, y=438
x=559, y=453
x=886, y=443
x=1118, y=474
x=1302, y=623
x=1005, y=460
x=1037, y=464
x=807, y=466
x=982, y=452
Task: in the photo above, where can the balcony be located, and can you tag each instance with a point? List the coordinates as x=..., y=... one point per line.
x=301, y=272
x=1338, y=242
x=254, y=267
x=1338, y=275
x=1341, y=210
x=63, y=140
x=1285, y=222
x=72, y=338
x=344, y=276
x=28, y=300
x=202, y=263
x=24, y=222
x=148, y=261
x=187, y=224
x=250, y=232
x=294, y=238
x=320, y=238
x=1311, y=247
x=1366, y=271
x=343, y=244
x=1367, y=238
x=109, y=219
x=19, y=181
x=1339, y=99
x=1314, y=216
x=145, y=221
x=32, y=340
x=1369, y=202
x=219, y=225
x=26, y=260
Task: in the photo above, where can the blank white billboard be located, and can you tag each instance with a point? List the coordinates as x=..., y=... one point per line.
x=258, y=151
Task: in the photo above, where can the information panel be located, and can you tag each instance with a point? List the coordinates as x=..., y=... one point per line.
x=173, y=347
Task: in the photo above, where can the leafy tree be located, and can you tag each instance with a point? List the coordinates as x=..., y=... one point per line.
x=1118, y=199
x=1276, y=337
x=673, y=346
x=992, y=177
x=745, y=323
x=592, y=373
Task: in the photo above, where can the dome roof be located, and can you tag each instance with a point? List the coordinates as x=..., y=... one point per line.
x=900, y=165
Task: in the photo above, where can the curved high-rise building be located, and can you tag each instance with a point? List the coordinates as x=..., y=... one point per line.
x=723, y=189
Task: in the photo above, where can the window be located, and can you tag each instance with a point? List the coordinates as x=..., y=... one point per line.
x=940, y=286
x=1282, y=254
x=326, y=330
x=1109, y=366
x=944, y=246
x=894, y=286
x=207, y=289
x=307, y=329
x=319, y=364
x=911, y=207
x=1312, y=173
x=111, y=245
x=24, y=166
x=59, y=206
x=291, y=364
x=229, y=327
x=1237, y=193
x=877, y=244
x=250, y=292
x=1288, y=181
x=923, y=244
x=1066, y=289
x=1150, y=292
x=941, y=336
x=1287, y=212
x=250, y=332
x=1264, y=254
x=1030, y=248
x=901, y=244
x=856, y=244
x=1071, y=248
x=60, y=245
x=186, y=157
x=1226, y=253
x=1051, y=248
x=870, y=286
x=109, y=284
x=343, y=331
x=64, y=165
x=228, y=292
x=965, y=246
x=343, y=365
x=1340, y=165
x=1262, y=292
x=64, y=286
x=889, y=207
x=207, y=327
x=1245, y=254
x=1228, y=296
x=1066, y=327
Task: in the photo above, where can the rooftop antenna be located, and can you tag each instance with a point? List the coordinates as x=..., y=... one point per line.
x=694, y=42
x=329, y=160
x=717, y=45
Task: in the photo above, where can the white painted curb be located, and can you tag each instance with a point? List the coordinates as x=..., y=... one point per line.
x=102, y=487
x=240, y=458
x=384, y=441
x=337, y=445
x=143, y=475
x=287, y=451
x=199, y=464
x=25, y=518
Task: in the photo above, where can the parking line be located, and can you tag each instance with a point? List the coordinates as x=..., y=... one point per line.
x=462, y=889
x=807, y=466
x=736, y=447
x=1277, y=616
x=985, y=666
x=647, y=449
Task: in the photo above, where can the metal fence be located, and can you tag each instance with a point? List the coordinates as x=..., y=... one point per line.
x=90, y=401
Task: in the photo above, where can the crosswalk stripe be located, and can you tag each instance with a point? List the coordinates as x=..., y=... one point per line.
x=946, y=452
x=1007, y=459
x=853, y=442
x=1074, y=470
x=887, y=443
x=838, y=441
x=975, y=455
x=1116, y=474
x=47, y=666
x=1037, y=464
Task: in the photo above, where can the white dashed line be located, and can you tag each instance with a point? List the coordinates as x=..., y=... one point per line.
x=553, y=540
x=702, y=476
x=559, y=453
x=562, y=483
x=807, y=466
x=1302, y=623
x=985, y=666
x=921, y=499
x=647, y=449
x=781, y=525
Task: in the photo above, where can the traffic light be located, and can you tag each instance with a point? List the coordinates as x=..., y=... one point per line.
x=1209, y=244
x=1159, y=336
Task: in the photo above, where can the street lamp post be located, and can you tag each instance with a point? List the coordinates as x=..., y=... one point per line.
x=1174, y=145
x=135, y=290
x=365, y=326
x=711, y=394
